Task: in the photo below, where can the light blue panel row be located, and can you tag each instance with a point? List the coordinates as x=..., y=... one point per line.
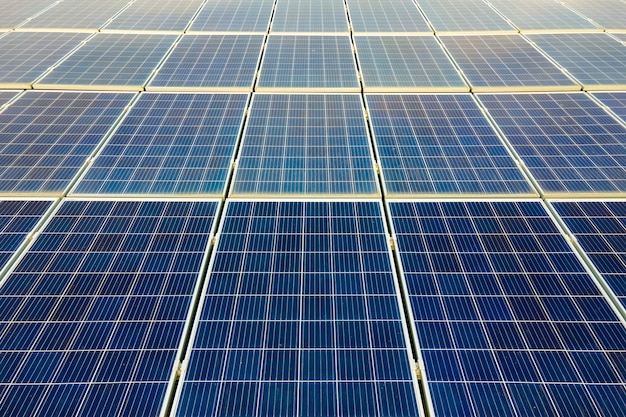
x=170, y=144
x=300, y=317
x=542, y=15
x=172, y=15
x=609, y=14
x=78, y=14
x=233, y=16
x=93, y=315
x=300, y=144
x=463, y=16
x=310, y=16
x=19, y=12
x=389, y=16
x=509, y=322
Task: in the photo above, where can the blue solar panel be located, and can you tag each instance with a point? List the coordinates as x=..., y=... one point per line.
x=508, y=320
x=308, y=63
x=317, y=16
x=305, y=144
x=600, y=229
x=234, y=16
x=170, y=144
x=505, y=63
x=615, y=101
x=77, y=14
x=17, y=219
x=386, y=17
x=300, y=317
x=46, y=137
x=463, y=16
x=596, y=60
x=609, y=14
x=110, y=60
x=94, y=313
x=541, y=15
x=6, y=96
x=28, y=55
x=440, y=144
x=168, y=15
x=406, y=63
x=211, y=62
x=20, y=11
x=568, y=142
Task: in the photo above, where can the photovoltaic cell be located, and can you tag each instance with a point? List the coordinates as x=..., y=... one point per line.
x=415, y=63
x=616, y=101
x=505, y=62
x=95, y=311
x=46, y=137
x=234, y=16
x=600, y=230
x=6, y=96
x=465, y=16
x=170, y=144
x=391, y=16
x=610, y=14
x=540, y=15
x=308, y=63
x=227, y=62
x=596, y=60
x=440, y=144
x=568, y=142
x=170, y=15
x=18, y=12
x=28, y=55
x=314, y=16
x=300, y=317
x=17, y=219
x=110, y=60
x=305, y=144
x=77, y=14
x=509, y=322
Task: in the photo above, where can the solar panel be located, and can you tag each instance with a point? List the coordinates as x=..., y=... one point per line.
x=211, y=62
x=96, y=309
x=6, y=96
x=568, y=142
x=314, y=144
x=300, y=317
x=596, y=60
x=46, y=137
x=168, y=15
x=508, y=320
x=18, y=12
x=18, y=218
x=26, y=56
x=440, y=144
x=388, y=17
x=610, y=14
x=600, y=230
x=77, y=14
x=615, y=101
x=406, y=63
x=234, y=16
x=308, y=63
x=170, y=144
x=505, y=63
x=541, y=15
x=314, y=16
x=465, y=16
x=110, y=60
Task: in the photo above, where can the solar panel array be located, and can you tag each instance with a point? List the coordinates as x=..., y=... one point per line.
x=332, y=208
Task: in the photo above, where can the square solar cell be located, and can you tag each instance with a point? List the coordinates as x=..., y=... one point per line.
x=233, y=16
x=386, y=17
x=162, y=15
x=596, y=60
x=26, y=56
x=505, y=63
x=600, y=230
x=615, y=101
x=210, y=62
x=46, y=137
x=95, y=311
x=315, y=16
x=109, y=60
x=77, y=15
x=308, y=63
x=609, y=14
x=299, y=316
x=406, y=63
x=440, y=144
x=541, y=15
x=296, y=144
x=568, y=143
x=170, y=144
x=509, y=322
x=463, y=16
